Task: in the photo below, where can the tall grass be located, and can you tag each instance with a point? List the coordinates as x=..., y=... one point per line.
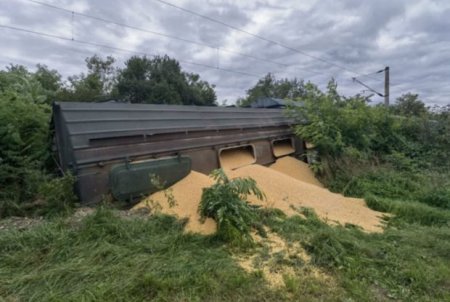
x=108, y=258
x=407, y=263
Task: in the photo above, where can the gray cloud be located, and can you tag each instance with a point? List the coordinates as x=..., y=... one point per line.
x=412, y=37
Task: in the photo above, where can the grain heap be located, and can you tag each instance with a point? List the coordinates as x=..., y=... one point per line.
x=294, y=188
x=187, y=193
x=284, y=192
x=296, y=169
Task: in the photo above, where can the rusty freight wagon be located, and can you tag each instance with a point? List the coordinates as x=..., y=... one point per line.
x=113, y=148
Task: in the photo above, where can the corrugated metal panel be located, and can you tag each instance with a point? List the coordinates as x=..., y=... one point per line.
x=88, y=121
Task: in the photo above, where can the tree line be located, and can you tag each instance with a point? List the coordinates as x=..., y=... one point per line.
x=159, y=80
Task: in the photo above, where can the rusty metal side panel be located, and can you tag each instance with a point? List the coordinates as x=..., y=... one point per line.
x=93, y=180
x=300, y=150
x=203, y=160
x=93, y=184
x=263, y=152
x=183, y=144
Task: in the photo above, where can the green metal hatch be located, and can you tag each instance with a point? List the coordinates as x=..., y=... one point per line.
x=132, y=180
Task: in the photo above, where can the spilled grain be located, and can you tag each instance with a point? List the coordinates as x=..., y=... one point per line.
x=289, y=190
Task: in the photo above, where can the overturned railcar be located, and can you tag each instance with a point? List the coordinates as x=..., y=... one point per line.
x=115, y=148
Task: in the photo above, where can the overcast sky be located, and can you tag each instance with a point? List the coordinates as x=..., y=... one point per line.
x=410, y=36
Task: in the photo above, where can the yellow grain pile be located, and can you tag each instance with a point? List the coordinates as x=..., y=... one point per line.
x=282, y=191
x=296, y=169
x=187, y=193
x=236, y=158
x=282, y=149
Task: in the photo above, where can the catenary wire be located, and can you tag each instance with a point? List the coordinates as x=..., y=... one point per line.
x=122, y=49
x=156, y=33
x=258, y=36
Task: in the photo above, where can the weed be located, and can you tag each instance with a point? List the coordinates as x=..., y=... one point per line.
x=226, y=203
x=161, y=186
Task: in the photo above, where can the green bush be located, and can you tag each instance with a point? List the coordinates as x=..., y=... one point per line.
x=27, y=187
x=363, y=149
x=57, y=195
x=225, y=202
x=53, y=196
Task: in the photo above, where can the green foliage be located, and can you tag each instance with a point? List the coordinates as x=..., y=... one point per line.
x=50, y=81
x=57, y=196
x=24, y=135
x=409, y=105
x=17, y=82
x=269, y=86
x=25, y=184
x=97, y=85
x=336, y=125
x=161, y=81
x=363, y=149
x=225, y=202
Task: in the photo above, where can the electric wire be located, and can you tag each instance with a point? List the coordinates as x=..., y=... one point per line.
x=156, y=33
x=258, y=36
x=122, y=49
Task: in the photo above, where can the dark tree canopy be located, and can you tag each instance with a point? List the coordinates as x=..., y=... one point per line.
x=409, y=104
x=269, y=86
x=161, y=81
x=50, y=79
x=97, y=85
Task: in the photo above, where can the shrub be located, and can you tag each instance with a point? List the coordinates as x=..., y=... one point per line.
x=57, y=195
x=26, y=187
x=226, y=203
x=53, y=196
x=363, y=149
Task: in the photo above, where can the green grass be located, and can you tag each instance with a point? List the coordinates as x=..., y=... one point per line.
x=408, y=262
x=409, y=211
x=109, y=258
x=106, y=257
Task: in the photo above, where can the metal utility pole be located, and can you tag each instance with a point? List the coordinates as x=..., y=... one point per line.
x=386, y=86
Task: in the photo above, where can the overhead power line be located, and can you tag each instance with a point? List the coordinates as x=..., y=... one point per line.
x=368, y=87
x=122, y=49
x=259, y=37
x=100, y=19
x=368, y=75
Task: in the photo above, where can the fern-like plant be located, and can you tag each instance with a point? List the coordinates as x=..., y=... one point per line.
x=226, y=203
